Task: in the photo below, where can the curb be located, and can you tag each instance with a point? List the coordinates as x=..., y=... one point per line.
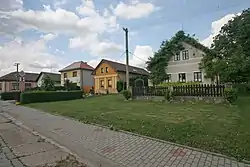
x=151, y=138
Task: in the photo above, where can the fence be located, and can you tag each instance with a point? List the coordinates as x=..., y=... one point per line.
x=188, y=90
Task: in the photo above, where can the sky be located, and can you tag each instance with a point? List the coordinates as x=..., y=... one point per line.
x=47, y=35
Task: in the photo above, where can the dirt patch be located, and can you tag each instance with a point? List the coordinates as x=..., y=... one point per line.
x=70, y=161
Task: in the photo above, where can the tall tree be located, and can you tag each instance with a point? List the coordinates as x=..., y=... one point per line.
x=231, y=46
x=47, y=84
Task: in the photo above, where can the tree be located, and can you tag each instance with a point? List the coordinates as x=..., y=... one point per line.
x=70, y=85
x=47, y=84
x=231, y=51
x=158, y=63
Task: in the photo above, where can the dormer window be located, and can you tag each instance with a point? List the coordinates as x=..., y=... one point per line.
x=185, y=55
x=102, y=70
x=177, y=57
x=107, y=69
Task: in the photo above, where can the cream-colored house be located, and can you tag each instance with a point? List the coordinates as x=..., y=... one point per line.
x=184, y=66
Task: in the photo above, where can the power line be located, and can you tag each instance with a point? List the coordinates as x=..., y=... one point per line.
x=138, y=57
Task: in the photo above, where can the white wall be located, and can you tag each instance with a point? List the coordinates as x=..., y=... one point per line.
x=186, y=66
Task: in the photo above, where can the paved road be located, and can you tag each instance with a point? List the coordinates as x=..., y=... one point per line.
x=20, y=148
x=111, y=148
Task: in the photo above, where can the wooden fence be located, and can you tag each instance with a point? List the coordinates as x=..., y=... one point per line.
x=187, y=90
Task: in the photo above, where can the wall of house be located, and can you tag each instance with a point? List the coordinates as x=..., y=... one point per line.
x=105, y=77
x=187, y=66
x=70, y=77
x=7, y=86
x=87, y=80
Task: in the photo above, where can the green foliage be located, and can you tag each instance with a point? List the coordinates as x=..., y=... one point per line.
x=10, y=96
x=158, y=63
x=169, y=95
x=242, y=88
x=120, y=86
x=231, y=57
x=47, y=96
x=230, y=95
x=127, y=94
x=70, y=85
x=166, y=84
x=47, y=84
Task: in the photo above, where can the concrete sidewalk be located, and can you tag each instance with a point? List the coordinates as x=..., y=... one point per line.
x=110, y=148
x=19, y=148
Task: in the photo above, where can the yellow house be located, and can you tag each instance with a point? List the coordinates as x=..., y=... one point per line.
x=107, y=73
x=80, y=73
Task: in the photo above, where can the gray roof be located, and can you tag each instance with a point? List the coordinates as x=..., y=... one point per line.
x=53, y=76
x=122, y=67
x=30, y=77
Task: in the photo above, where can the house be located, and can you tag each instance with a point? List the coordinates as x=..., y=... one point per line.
x=79, y=73
x=184, y=66
x=56, y=78
x=8, y=82
x=107, y=73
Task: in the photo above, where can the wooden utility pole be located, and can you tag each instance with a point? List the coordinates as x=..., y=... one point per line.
x=17, y=75
x=127, y=56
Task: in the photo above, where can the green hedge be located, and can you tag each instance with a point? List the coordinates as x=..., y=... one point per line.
x=166, y=84
x=10, y=96
x=36, y=97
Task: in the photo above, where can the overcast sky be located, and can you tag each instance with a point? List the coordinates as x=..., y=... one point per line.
x=45, y=35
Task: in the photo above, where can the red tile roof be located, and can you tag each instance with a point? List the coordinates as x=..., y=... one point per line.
x=77, y=65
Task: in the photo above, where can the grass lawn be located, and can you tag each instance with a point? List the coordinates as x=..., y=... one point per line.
x=218, y=128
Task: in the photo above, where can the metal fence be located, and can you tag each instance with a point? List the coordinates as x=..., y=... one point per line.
x=187, y=90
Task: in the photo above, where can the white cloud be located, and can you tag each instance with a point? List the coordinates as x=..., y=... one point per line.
x=60, y=21
x=140, y=56
x=6, y=5
x=216, y=27
x=87, y=8
x=59, y=3
x=92, y=44
x=134, y=10
x=49, y=37
x=33, y=56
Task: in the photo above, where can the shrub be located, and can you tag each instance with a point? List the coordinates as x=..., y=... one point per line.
x=120, y=86
x=230, y=95
x=32, y=89
x=10, y=96
x=242, y=88
x=168, y=95
x=127, y=94
x=58, y=88
x=34, y=97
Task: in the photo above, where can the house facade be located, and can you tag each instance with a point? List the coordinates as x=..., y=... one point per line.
x=8, y=82
x=107, y=73
x=56, y=78
x=79, y=73
x=184, y=66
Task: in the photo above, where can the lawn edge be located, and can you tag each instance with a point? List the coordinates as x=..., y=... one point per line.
x=147, y=137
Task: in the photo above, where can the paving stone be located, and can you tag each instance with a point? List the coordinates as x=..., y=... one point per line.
x=44, y=158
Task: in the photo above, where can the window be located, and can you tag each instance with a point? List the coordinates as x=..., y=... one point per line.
x=102, y=70
x=185, y=55
x=27, y=85
x=65, y=75
x=102, y=83
x=169, y=78
x=75, y=74
x=110, y=83
x=197, y=77
x=177, y=57
x=0, y=85
x=182, y=77
x=107, y=69
x=15, y=86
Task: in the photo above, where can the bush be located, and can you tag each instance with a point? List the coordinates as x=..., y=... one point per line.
x=34, y=97
x=58, y=88
x=168, y=95
x=120, y=86
x=33, y=89
x=127, y=94
x=230, y=95
x=242, y=88
x=10, y=96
